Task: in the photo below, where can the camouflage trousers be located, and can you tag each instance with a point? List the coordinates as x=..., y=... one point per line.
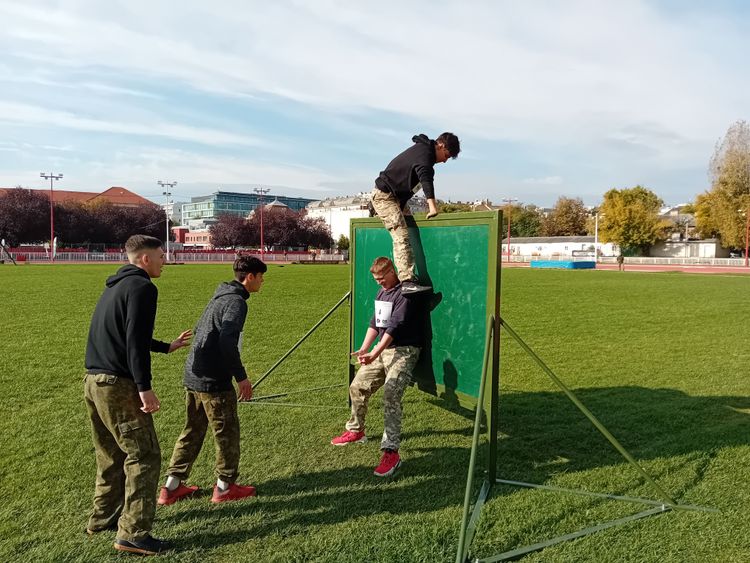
x=391, y=370
x=388, y=209
x=220, y=411
x=128, y=458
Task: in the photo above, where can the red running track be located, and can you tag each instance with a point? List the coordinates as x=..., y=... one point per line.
x=690, y=269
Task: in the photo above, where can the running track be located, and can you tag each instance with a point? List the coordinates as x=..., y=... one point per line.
x=690, y=269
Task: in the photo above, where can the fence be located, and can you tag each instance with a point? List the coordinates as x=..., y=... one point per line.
x=732, y=262
x=181, y=257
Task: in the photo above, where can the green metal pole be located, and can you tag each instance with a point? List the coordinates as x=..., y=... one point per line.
x=595, y=421
x=495, y=372
x=462, y=547
x=287, y=393
x=301, y=340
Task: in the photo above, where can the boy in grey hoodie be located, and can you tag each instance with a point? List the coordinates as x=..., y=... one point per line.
x=210, y=398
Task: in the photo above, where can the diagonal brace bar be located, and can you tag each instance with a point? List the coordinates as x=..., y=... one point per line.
x=301, y=340
x=638, y=500
x=516, y=553
x=595, y=421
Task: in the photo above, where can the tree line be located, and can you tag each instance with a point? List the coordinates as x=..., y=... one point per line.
x=25, y=218
x=282, y=228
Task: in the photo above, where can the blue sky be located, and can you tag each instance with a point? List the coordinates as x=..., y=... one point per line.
x=314, y=98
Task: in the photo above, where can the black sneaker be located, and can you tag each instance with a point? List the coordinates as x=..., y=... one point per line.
x=410, y=287
x=145, y=546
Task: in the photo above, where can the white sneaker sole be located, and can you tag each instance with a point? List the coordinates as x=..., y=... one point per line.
x=362, y=440
x=389, y=473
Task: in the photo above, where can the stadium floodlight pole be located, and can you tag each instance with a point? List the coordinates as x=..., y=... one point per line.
x=167, y=187
x=51, y=177
x=747, y=234
x=261, y=192
x=509, y=201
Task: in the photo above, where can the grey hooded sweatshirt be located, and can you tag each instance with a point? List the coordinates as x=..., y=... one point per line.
x=214, y=358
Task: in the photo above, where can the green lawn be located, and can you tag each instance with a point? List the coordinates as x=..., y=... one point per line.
x=660, y=358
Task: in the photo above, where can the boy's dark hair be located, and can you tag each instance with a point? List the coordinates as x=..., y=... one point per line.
x=245, y=265
x=451, y=143
x=137, y=243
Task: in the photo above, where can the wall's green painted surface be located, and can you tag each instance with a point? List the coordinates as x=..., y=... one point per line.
x=459, y=256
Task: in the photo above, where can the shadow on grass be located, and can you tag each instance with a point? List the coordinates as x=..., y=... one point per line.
x=544, y=435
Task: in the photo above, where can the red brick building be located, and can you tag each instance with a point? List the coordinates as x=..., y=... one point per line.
x=116, y=195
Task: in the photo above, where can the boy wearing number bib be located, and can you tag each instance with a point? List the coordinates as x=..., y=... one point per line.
x=399, y=330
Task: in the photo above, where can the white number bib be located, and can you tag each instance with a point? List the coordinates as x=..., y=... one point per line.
x=383, y=310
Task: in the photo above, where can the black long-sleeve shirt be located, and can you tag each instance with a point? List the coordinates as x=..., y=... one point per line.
x=120, y=338
x=413, y=167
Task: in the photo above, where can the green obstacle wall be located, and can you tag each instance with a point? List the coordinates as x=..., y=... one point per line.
x=457, y=253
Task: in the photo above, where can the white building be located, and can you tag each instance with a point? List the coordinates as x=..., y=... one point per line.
x=338, y=212
x=557, y=247
x=706, y=248
x=173, y=209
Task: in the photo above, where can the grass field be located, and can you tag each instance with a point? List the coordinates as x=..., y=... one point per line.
x=660, y=358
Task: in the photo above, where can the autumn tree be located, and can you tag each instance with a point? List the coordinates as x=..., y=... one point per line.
x=314, y=232
x=343, y=243
x=232, y=231
x=117, y=223
x=450, y=207
x=567, y=218
x=24, y=216
x=630, y=218
x=525, y=221
x=722, y=210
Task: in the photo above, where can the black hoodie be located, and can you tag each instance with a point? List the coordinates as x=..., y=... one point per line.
x=215, y=356
x=414, y=166
x=121, y=334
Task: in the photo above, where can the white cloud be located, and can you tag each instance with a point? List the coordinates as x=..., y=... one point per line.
x=496, y=70
x=33, y=115
x=546, y=180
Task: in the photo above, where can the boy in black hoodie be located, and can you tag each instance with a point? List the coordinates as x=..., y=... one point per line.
x=120, y=401
x=210, y=398
x=394, y=187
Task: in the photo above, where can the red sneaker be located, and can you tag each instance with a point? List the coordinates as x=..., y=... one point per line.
x=349, y=437
x=170, y=497
x=388, y=464
x=234, y=492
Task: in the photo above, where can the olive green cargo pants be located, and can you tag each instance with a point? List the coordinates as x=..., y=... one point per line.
x=128, y=458
x=220, y=411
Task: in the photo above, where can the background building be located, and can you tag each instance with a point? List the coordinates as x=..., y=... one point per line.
x=337, y=212
x=204, y=210
x=115, y=195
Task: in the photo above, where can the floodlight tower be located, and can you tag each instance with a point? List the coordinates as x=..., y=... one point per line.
x=167, y=187
x=51, y=177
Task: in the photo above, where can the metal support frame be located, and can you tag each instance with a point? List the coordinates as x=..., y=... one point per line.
x=301, y=340
x=264, y=400
x=469, y=521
